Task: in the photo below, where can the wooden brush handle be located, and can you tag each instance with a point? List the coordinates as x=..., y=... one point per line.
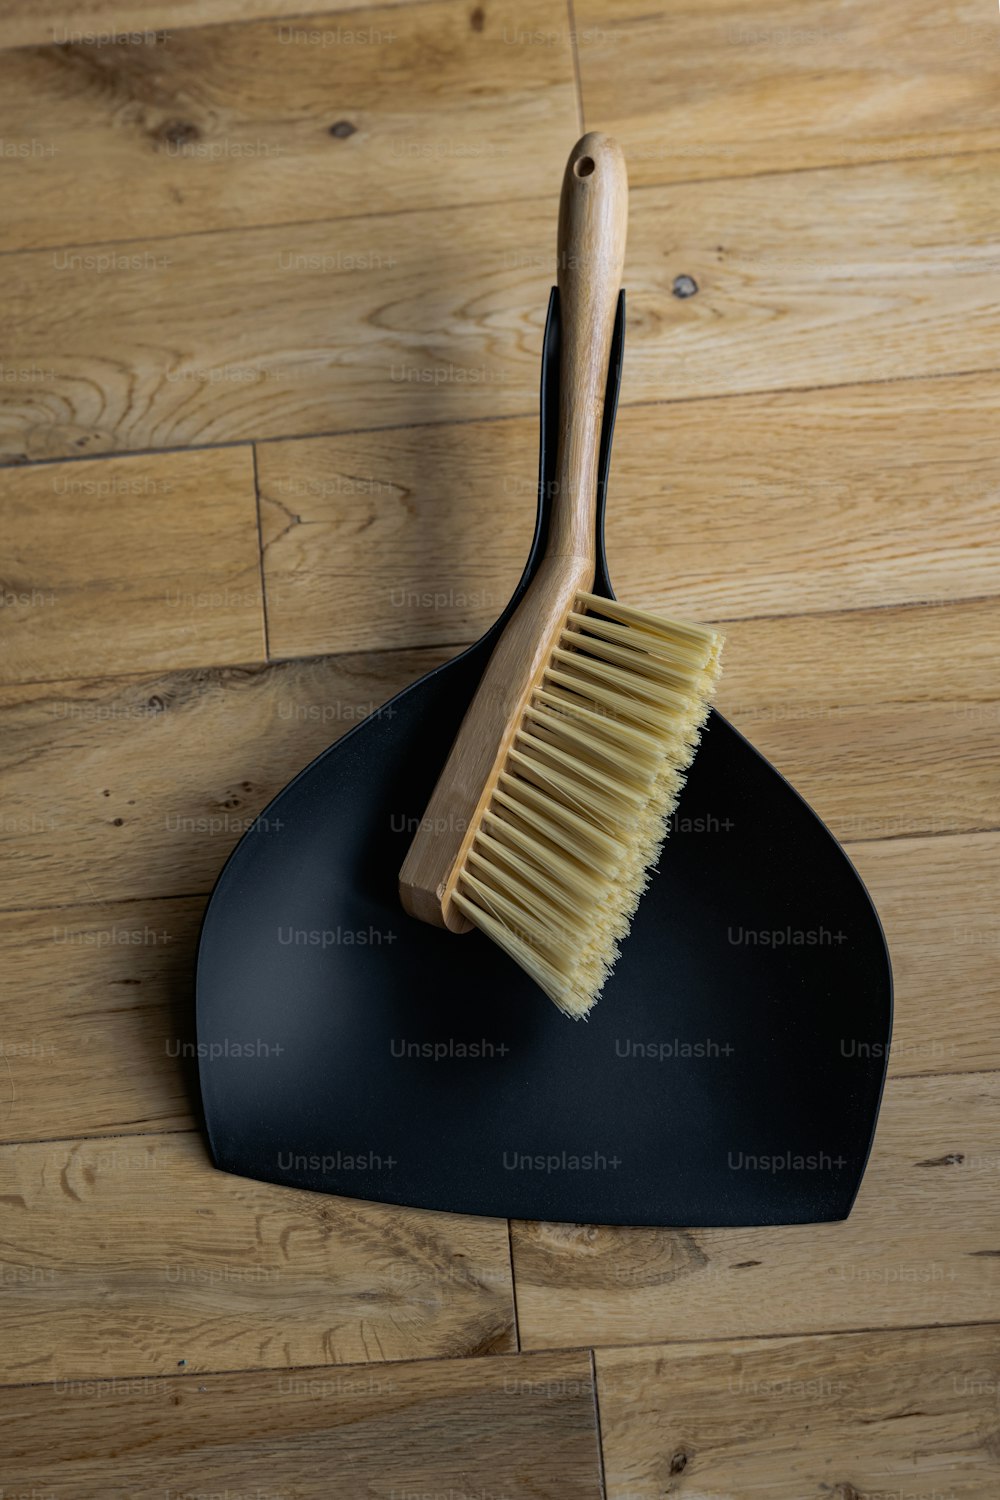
x=593, y=220
x=592, y=215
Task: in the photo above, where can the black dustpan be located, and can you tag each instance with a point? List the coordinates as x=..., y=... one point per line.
x=731, y=1073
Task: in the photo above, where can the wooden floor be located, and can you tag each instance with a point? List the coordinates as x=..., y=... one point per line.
x=273, y=294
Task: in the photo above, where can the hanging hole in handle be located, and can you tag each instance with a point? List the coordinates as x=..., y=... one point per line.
x=584, y=166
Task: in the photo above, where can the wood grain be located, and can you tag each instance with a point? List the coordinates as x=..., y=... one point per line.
x=798, y=502
x=135, y=1257
x=811, y=279
x=937, y=901
x=591, y=240
x=300, y=328
x=734, y=86
x=35, y=23
x=909, y=1415
x=920, y=1247
x=887, y=721
x=245, y=224
x=313, y=118
x=96, y=1018
x=122, y=564
x=410, y=537
x=99, y=999
x=139, y=787
x=485, y=1429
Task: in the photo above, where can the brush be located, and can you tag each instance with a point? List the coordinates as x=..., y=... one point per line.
x=556, y=796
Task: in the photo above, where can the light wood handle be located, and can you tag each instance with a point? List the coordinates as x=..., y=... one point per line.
x=592, y=215
x=593, y=222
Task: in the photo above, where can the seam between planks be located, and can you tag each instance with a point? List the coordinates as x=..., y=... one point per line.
x=507, y=203
x=542, y=1353
x=260, y=557
x=513, y=1288
x=528, y=413
x=597, y=1420
x=862, y=1331
x=458, y=648
x=426, y=1359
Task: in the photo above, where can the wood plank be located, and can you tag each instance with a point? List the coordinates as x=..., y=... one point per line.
x=734, y=86
x=139, y=787
x=887, y=721
x=891, y=1416
x=117, y=565
x=220, y=127
x=480, y=1429
x=300, y=328
x=803, y=501
x=94, y=1024
x=810, y=279
x=920, y=1247
x=95, y=1019
x=937, y=901
x=37, y=23
x=130, y=1258
x=419, y=534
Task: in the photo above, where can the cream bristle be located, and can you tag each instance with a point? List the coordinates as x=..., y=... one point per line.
x=579, y=814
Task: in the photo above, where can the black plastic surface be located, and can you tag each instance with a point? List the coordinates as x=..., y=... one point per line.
x=730, y=1074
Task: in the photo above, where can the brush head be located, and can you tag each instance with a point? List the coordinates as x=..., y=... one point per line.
x=579, y=812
